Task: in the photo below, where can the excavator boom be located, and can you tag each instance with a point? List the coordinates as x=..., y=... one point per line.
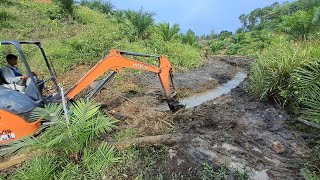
x=115, y=61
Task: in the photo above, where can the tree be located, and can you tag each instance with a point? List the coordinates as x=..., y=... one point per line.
x=169, y=33
x=244, y=20
x=298, y=25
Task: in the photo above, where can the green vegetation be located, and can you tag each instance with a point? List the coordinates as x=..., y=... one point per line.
x=98, y=5
x=224, y=172
x=82, y=34
x=264, y=27
x=66, y=148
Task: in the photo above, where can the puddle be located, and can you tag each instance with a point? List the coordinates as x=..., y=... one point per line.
x=261, y=175
x=229, y=147
x=198, y=99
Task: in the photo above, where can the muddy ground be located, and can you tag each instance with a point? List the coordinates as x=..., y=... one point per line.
x=135, y=98
x=241, y=131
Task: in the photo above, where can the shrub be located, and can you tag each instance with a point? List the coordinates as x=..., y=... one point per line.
x=5, y=18
x=98, y=5
x=67, y=6
x=182, y=55
x=272, y=71
x=88, y=16
x=306, y=82
x=216, y=46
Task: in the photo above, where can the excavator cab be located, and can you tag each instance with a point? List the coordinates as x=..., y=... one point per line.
x=16, y=105
x=35, y=93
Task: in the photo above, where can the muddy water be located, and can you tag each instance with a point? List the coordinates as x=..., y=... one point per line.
x=200, y=98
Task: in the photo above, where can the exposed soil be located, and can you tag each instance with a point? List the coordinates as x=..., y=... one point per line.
x=241, y=131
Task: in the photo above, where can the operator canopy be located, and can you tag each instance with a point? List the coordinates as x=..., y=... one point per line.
x=15, y=102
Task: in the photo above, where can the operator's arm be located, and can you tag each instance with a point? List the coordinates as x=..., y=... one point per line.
x=9, y=76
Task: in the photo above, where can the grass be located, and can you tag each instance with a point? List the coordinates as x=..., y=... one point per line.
x=139, y=162
x=126, y=134
x=223, y=172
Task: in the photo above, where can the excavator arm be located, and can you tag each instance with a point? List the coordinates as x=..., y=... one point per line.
x=115, y=61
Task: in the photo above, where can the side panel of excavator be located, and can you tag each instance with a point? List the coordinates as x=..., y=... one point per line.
x=14, y=127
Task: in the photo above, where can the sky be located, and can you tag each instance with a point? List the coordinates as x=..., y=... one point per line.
x=202, y=16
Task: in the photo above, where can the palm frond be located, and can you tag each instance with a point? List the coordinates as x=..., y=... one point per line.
x=307, y=85
x=27, y=143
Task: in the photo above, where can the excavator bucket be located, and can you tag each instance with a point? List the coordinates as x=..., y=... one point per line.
x=175, y=105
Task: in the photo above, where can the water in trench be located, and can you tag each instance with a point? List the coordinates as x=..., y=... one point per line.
x=198, y=99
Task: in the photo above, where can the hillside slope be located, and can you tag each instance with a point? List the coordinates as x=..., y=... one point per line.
x=86, y=37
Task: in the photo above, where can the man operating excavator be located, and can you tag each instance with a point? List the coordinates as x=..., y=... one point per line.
x=13, y=75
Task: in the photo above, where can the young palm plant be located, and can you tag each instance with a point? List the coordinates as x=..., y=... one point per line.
x=141, y=22
x=307, y=84
x=169, y=33
x=68, y=143
x=98, y=5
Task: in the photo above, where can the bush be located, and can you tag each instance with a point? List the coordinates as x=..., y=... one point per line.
x=182, y=55
x=190, y=38
x=67, y=7
x=216, y=46
x=5, y=18
x=98, y=5
x=169, y=33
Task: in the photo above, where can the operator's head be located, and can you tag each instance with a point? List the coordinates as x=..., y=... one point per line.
x=12, y=59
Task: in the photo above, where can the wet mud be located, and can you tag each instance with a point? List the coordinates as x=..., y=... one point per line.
x=240, y=131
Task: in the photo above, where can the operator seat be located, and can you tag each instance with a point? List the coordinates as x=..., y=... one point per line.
x=4, y=83
x=2, y=79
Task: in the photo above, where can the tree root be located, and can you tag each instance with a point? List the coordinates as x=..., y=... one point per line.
x=166, y=139
x=308, y=123
x=17, y=160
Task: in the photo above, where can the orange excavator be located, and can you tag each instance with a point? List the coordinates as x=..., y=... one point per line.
x=17, y=103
